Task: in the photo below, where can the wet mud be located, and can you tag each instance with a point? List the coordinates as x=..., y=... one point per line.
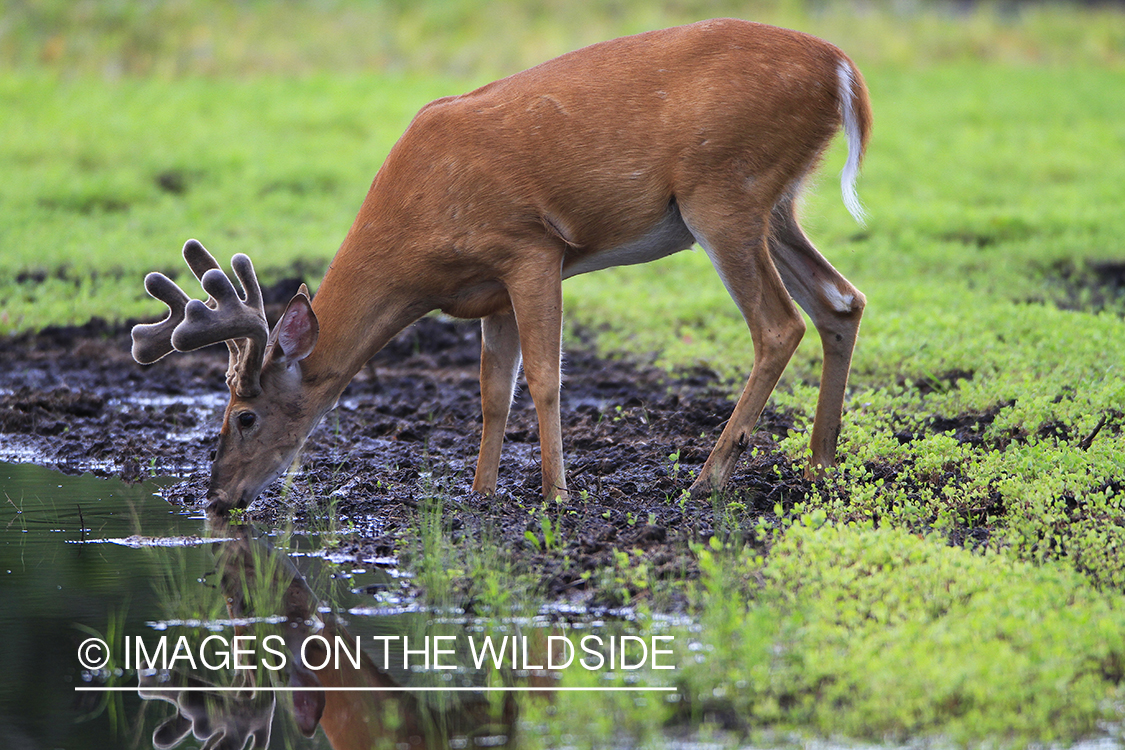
x=403, y=443
x=406, y=434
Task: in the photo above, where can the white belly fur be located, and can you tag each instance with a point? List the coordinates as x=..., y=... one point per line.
x=669, y=235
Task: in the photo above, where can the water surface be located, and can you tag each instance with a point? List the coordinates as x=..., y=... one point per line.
x=83, y=557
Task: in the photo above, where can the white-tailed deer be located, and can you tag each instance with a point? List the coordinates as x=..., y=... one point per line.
x=619, y=153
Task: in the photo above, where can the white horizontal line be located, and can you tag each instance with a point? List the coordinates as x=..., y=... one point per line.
x=272, y=689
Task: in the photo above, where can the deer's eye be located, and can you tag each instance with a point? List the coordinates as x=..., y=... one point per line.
x=246, y=420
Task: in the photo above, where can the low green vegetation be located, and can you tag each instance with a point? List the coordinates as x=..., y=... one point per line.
x=880, y=633
x=462, y=38
x=960, y=575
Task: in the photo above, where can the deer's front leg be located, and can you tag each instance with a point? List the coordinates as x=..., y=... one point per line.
x=537, y=301
x=499, y=364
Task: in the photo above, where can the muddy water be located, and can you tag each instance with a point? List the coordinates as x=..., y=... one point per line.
x=66, y=571
x=83, y=557
x=86, y=558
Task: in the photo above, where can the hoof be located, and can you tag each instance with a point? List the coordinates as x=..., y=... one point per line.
x=702, y=489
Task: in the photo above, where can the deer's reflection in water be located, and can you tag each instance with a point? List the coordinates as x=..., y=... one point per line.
x=268, y=599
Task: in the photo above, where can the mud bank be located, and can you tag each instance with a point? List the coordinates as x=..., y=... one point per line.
x=407, y=430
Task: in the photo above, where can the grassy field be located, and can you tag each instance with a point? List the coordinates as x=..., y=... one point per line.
x=987, y=394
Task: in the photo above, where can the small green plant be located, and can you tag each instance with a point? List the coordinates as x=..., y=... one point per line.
x=552, y=541
x=532, y=539
x=674, y=460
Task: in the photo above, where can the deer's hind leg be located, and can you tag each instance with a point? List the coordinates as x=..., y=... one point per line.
x=736, y=243
x=835, y=307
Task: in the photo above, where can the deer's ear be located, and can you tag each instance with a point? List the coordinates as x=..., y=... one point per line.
x=296, y=333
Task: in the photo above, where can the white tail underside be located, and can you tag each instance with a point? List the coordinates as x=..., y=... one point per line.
x=854, y=139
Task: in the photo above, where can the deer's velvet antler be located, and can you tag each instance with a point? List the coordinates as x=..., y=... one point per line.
x=239, y=320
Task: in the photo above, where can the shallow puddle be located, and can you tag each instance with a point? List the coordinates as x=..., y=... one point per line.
x=59, y=586
x=95, y=569
x=86, y=558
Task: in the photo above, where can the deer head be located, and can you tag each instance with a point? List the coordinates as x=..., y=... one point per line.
x=260, y=436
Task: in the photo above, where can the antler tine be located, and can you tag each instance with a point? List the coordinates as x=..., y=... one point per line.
x=244, y=270
x=230, y=319
x=153, y=341
x=198, y=259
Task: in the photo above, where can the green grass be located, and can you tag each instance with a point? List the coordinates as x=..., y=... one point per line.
x=992, y=180
x=850, y=631
x=109, y=179
x=171, y=38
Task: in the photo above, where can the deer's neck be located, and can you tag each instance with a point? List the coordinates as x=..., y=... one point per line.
x=365, y=299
